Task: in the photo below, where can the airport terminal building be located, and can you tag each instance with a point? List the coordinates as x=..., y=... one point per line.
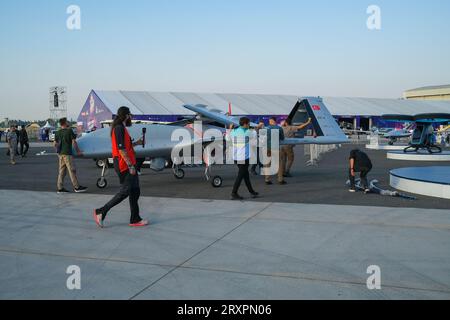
x=358, y=113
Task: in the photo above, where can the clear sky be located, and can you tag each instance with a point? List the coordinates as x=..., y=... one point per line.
x=250, y=46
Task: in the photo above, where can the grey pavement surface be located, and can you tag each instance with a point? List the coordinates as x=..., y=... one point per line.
x=4, y=145
x=216, y=249
x=310, y=239
x=324, y=184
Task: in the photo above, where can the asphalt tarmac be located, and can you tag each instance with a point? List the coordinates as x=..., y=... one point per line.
x=324, y=184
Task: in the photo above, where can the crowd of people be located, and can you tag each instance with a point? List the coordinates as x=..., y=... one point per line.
x=244, y=140
x=245, y=147
x=14, y=137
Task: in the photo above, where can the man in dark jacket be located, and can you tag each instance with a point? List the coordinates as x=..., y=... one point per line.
x=359, y=162
x=18, y=140
x=24, y=142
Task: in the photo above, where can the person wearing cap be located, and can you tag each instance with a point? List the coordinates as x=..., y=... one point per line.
x=125, y=166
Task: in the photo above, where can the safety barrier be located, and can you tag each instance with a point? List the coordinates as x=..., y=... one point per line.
x=314, y=152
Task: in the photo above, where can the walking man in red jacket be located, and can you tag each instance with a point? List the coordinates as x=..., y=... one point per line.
x=124, y=165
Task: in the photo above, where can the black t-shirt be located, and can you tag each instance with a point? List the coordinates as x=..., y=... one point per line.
x=362, y=160
x=65, y=137
x=119, y=132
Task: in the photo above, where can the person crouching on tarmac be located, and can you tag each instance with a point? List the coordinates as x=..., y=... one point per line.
x=242, y=138
x=359, y=162
x=124, y=164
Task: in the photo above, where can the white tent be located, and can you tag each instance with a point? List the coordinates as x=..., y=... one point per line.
x=171, y=103
x=47, y=126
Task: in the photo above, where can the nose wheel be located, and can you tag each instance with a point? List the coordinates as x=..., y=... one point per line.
x=102, y=183
x=99, y=163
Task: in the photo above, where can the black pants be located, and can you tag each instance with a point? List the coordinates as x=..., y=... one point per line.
x=139, y=163
x=258, y=163
x=363, y=174
x=26, y=145
x=129, y=188
x=243, y=174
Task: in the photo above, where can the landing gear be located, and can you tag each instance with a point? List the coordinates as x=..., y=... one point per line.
x=102, y=183
x=178, y=173
x=216, y=182
x=99, y=163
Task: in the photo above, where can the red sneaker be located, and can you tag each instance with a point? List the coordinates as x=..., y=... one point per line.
x=98, y=220
x=142, y=223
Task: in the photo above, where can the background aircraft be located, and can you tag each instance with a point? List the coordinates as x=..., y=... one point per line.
x=423, y=136
x=394, y=135
x=159, y=146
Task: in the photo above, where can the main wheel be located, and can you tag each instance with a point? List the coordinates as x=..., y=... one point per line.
x=100, y=163
x=216, y=182
x=179, y=174
x=102, y=183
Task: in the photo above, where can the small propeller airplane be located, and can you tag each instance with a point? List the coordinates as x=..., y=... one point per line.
x=423, y=134
x=159, y=146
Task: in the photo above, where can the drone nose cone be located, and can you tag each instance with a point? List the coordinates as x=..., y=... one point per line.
x=84, y=144
x=95, y=144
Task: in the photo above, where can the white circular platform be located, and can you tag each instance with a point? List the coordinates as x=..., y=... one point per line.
x=386, y=147
x=422, y=155
x=427, y=181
